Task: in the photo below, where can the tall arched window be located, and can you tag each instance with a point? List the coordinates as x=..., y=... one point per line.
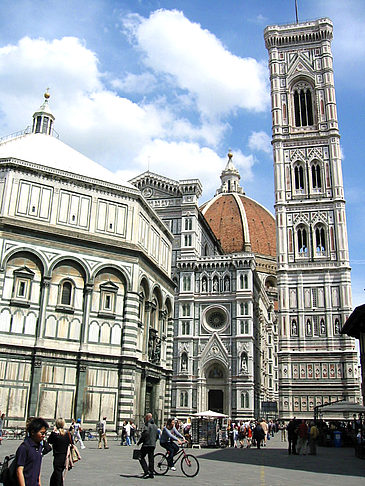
x=303, y=106
x=245, y=403
x=66, y=293
x=299, y=177
x=316, y=176
x=320, y=240
x=302, y=240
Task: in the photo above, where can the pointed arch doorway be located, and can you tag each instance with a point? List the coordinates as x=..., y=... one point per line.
x=216, y=382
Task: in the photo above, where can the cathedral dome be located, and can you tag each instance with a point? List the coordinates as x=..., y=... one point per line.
x=239, y=222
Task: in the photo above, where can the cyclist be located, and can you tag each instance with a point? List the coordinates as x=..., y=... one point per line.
x=169, y=436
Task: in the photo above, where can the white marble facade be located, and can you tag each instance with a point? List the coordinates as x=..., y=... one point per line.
x=86, y=298
x=316, y=364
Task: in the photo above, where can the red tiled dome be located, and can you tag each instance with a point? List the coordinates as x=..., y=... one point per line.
x=237, y=221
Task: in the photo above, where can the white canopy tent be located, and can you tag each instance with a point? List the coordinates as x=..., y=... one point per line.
x=209, y=414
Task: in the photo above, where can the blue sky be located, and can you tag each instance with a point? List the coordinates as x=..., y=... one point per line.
x=172, y=85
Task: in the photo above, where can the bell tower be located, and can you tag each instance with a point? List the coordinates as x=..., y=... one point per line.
x=316, y=364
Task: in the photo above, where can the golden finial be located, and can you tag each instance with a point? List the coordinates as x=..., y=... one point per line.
x=230, y=155
x=46, y=94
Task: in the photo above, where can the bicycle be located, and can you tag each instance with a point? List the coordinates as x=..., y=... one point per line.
x=189, y=464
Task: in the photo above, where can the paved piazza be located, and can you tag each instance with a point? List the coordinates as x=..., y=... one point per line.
x=270, y=466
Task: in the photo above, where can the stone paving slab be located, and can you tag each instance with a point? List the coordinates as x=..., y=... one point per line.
x=270, y=466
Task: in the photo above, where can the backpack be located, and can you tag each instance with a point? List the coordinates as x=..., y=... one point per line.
x=99, y=427
x=8, y=471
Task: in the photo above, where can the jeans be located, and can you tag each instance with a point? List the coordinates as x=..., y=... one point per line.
x=172, y=449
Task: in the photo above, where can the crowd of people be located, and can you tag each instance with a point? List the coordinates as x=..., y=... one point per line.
x=302, y=436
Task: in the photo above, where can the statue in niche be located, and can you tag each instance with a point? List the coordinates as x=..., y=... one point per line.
x=323, y=327
x=294, y=328
x=204, y=285
x=226, y=284
x=244, y=363
x=309, y=327
x=184, y=362
x=215, y=284
x=337, y=327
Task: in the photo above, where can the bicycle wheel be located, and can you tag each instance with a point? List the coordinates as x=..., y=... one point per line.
x=161, y=467
x=189, y=465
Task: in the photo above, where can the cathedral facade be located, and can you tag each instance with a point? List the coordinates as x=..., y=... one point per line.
x=225, y=333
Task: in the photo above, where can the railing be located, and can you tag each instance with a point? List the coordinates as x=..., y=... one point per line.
x=26, y=131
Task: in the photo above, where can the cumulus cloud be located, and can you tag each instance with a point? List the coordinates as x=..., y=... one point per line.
x=135, y=83
x=107, y=126
x=219, y=81
x=260, y=141
x=183, y=160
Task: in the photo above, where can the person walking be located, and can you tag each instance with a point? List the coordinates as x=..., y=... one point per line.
x=133, y=432
x=77, y=432
x=148, y=440
x=101, y=430
x=313, y=436
x=292, y=436
x=127, y=429
x=265, y=428
x=2, y=421
x=60, y=439
x=302, y=438
x=167, y=440
x=258, y=434
x=29, y=454
x=282, y=429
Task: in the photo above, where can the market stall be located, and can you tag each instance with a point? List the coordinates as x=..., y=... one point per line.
x=208, y=428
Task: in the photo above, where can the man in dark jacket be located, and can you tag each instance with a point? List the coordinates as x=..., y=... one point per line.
x=292, y=436
x=148, y=440
x=259, y=434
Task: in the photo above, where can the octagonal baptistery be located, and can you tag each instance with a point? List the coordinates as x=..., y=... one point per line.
x=239, y=222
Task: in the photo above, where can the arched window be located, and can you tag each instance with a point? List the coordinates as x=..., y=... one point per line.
x=303, y=107
x=316, y=176
x=320, y=240
x=66, y=293
x=245, y=400
x=302, y=240
x=184, y=399
x=188, y=223
x=299, y=177
x=206, y=250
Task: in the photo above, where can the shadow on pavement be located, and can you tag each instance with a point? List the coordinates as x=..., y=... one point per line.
x=327, y=461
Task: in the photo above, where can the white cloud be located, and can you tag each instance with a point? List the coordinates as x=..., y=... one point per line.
x=136, y=83
x=183, y=160
x=219, y=81
x=260, y=141
x=118, y=133
x=108, y=128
